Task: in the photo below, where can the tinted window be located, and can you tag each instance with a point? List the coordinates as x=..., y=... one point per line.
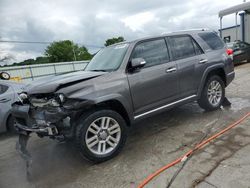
x=197, y=48
x=182, y=47
x=153, y=52
x=212, y=40
x=3, y=89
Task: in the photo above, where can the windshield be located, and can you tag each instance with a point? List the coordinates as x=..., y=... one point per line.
x=108, y=59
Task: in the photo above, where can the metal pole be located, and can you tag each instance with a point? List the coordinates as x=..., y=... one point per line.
x=220, y=27
x=31, y=73
x=54, y=68
x=236, y=24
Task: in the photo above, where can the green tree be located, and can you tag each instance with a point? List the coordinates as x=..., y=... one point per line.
x=113, y=41
x=66, y=50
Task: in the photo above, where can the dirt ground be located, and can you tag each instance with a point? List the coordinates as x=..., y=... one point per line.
x=152, y=143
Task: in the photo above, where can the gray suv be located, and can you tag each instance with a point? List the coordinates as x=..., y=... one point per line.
x=124, y=83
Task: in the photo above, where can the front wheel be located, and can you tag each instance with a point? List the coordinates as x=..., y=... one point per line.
x=101, y=135
x=212, y=94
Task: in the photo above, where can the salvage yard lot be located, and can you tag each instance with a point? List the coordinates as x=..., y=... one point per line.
x=152, y=143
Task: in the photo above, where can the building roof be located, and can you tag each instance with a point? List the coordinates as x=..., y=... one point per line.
x=226, y=28
x=234, y=9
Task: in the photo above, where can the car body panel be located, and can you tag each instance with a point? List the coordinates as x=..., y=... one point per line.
x=6, y=99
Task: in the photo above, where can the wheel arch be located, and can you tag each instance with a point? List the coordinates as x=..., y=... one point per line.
x=111, y=103
x=118, y=107
x=214, y=70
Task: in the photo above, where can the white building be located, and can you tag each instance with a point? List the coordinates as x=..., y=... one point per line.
x=240, y=31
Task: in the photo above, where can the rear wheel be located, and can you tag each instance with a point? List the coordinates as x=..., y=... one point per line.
x=212, y=94
x=101, y=135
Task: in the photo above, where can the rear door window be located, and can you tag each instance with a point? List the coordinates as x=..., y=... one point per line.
x=182, y=47
x=3, y=88
x=154, y=52
x=212, y=40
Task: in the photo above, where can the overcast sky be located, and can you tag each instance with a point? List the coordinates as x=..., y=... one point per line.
x=91, y=22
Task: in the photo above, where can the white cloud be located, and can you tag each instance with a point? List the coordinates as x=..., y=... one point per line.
x=137, y=21
x=92, y=22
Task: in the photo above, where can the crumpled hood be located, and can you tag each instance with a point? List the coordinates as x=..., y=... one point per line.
x=51, y=84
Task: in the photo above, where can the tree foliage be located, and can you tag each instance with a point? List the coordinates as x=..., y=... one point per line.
x=66, y=50
x=113, y=41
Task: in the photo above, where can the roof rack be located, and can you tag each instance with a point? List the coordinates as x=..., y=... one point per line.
x=196, y=29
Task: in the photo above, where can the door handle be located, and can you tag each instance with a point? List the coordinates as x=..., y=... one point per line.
x=4, y=100
x=172, y=69
x=203, y=61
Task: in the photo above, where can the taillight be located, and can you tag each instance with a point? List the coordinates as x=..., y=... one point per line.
x=229, y=51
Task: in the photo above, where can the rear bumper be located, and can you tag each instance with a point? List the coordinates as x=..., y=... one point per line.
x=230, y=77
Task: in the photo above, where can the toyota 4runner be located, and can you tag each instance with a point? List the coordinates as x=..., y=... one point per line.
x=123, y=83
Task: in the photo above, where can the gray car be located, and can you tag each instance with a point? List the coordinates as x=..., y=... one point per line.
x=122, y=84
x=8, y=95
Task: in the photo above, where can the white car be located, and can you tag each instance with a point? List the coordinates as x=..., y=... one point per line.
x=8, y=95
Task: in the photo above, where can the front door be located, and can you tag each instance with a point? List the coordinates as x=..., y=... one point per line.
x=156, y=83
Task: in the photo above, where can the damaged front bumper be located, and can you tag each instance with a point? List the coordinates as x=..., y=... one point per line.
x=29, y=120
x=53, y=122
x=43, y=121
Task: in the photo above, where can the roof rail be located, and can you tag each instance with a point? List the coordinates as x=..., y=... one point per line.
x=195, y=29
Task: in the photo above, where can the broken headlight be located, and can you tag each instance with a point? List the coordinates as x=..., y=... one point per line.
x=49, y=101
x=61, y=98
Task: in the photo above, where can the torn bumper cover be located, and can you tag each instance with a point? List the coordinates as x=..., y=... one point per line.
x=46, y=121
x=40, y=121
x=54, y=122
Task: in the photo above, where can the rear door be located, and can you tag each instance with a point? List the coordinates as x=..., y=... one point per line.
x=156, y=83
x=190, y=61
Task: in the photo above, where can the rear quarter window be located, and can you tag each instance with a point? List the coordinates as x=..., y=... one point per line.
x=212, y=40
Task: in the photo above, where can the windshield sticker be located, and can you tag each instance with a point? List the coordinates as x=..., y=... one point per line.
x=121, y=46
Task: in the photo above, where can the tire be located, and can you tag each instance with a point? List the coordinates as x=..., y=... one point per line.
x=4, y=76
x=10, y=125
x=210, y=98
x=101, y=135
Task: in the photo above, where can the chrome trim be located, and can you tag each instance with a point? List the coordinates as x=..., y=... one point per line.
x=173, y=69
x=203, y=61
x=230, y=73
x=165, y=106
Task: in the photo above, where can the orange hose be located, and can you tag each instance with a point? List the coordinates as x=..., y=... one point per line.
x=197, y=147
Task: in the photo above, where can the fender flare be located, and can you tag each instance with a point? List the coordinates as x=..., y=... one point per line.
x=205, y=74
x=126, y=103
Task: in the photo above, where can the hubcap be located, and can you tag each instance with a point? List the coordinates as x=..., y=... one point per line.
x=214, y=93
x=103, y=135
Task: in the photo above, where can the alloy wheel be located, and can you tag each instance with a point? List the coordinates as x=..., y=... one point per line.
x=103, y=135
x=214, y=93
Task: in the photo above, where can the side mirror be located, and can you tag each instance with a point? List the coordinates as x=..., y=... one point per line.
x=137, y=63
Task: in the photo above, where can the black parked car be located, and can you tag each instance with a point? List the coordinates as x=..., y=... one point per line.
x=241, y=51
x=124, y=83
